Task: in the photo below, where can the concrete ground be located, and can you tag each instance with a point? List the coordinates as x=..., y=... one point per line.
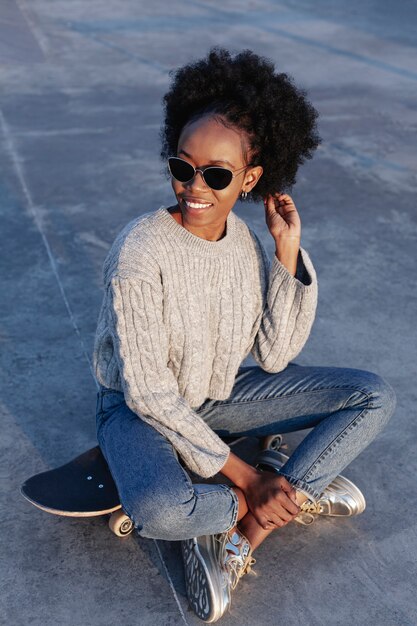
x=80, y=109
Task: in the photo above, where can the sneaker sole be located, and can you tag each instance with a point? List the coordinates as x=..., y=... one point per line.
x=203, y=581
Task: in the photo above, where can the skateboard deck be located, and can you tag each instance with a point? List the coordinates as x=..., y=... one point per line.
x=84, y=487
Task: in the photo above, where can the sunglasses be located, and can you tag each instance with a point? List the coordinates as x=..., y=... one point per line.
x=215, y=177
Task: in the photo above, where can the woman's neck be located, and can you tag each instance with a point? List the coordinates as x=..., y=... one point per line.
x=176, y=213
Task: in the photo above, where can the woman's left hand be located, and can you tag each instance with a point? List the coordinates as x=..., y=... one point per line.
x=282, y=218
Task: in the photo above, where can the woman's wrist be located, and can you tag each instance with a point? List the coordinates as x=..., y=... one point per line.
x=238, y=471
x=286, y=251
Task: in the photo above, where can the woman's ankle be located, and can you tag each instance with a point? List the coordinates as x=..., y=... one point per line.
x=242, y=507
x=253, y=532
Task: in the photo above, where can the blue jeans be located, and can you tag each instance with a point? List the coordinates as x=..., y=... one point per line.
x=345, y=408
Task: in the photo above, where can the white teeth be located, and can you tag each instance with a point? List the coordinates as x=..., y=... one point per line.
x=196, y=205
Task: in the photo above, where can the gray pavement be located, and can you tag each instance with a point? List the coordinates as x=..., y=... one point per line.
x=80, y=109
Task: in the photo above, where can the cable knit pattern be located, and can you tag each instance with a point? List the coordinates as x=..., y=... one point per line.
x=181, y=313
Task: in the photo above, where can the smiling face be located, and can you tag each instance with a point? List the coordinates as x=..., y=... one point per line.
x=204, y=142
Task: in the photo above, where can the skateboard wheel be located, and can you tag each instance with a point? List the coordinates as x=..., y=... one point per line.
x=120, y=524
x=271, y=442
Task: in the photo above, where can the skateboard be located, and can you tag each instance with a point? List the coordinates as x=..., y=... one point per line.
x=84, y=487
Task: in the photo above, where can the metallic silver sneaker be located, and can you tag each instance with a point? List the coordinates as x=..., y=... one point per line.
x=213, y=565
x=341, y=498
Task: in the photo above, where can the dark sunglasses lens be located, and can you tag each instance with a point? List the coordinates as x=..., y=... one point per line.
x=180, y=170
x=218, y=177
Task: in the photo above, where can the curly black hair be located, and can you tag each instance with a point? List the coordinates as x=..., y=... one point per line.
x=246, y=93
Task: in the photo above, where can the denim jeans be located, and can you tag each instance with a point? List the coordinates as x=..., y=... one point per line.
x=344, y=408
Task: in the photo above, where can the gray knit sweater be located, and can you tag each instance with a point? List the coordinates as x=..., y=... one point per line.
x=179, y=315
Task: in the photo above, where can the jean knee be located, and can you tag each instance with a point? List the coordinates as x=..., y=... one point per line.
x=382, y=396
x=159, y=518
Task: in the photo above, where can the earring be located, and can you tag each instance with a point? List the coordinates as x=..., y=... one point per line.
x=244, y=195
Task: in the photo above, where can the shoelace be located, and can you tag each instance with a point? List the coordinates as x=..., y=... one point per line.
x=309, y=510
x=311, y=507
x=234, y=562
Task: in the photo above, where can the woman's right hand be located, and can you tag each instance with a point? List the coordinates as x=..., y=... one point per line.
x=271, y=499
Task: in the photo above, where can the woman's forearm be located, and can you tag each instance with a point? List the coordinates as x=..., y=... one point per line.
x=286, y=252
x=239, y=472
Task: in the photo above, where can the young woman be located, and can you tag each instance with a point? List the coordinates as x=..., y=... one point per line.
x=189, y=293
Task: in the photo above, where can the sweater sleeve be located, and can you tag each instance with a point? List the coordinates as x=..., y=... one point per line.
x=150, y=388
x=288, y=311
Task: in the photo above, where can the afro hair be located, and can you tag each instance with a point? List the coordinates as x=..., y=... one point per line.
x=245, y=91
